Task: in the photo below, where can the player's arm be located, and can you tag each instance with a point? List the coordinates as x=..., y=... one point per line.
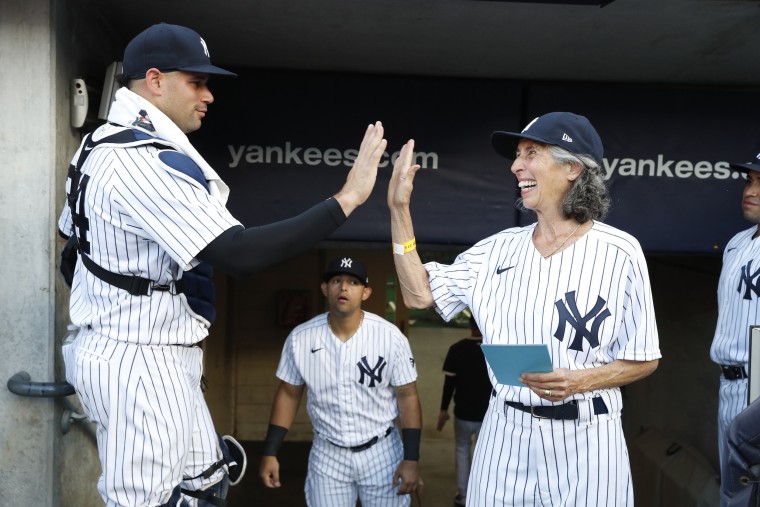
x=413, y=278
x=562, y=383
x=245, y=251
x=449, y=385
x=410, y=415
x=286, y=402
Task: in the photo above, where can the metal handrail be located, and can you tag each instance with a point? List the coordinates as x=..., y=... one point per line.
x=21, y=384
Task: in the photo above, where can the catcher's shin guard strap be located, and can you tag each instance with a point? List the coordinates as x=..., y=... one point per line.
x=215, y=496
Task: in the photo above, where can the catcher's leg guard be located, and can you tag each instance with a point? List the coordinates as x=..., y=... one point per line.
x=235, y=461
x=234, y=455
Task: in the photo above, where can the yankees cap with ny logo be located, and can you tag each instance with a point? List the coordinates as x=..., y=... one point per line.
x=168, y=47
x=347, y=265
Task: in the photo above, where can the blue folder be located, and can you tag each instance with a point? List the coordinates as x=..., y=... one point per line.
x=508, y=362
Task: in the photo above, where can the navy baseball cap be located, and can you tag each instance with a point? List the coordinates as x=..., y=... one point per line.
x=753, y=165
x=347, y=265
x=168, y=47
x=566, y=130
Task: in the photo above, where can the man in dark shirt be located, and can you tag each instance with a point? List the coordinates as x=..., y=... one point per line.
x=466, y=378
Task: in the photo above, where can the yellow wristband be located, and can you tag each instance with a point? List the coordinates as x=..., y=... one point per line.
x=407, y=247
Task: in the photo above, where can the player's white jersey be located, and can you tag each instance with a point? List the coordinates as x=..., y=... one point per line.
x=591, y=303
x=145, y=219
x=350, y=384
x=738, y=299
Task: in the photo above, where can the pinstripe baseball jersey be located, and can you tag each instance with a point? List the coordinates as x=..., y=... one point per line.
x=738, y=309
x=738, y=299
x=139, y=211
x=590, y=303
x=144, y=218
x=350, y=396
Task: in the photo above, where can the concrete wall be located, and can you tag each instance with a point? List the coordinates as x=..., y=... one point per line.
x=27, y=426
x=43, y=46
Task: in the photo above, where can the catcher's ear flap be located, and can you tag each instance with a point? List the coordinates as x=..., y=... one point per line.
x=234, y=455
x=69, y=256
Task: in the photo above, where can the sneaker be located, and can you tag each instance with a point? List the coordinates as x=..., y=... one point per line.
x=459, y=501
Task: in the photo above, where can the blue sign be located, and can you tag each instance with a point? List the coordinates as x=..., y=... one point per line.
x=284, y=141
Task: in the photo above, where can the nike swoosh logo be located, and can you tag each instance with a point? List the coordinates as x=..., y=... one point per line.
x=87, y=148
x=501, y=270
x=316, y=350
x=730, y=249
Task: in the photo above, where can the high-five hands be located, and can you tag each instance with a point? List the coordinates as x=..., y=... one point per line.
x=401, y=184
x=361, y=178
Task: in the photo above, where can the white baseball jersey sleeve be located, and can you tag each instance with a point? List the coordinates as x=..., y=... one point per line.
x=591, y=303
x=350, y=396
x=145, y=219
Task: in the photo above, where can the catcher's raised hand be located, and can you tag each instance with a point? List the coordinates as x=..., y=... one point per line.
x=361, y=178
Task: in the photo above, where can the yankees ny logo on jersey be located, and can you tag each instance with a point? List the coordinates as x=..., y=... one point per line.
x=573, y=317
x=747, y=278
x=374, y=374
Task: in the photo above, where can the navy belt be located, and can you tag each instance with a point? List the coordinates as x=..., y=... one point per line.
x=366, y=445
x=733, y=372
x=566, y=411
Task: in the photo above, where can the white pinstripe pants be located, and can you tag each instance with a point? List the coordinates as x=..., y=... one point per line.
x=153, y=425
x=337, y=476
x=524, y=461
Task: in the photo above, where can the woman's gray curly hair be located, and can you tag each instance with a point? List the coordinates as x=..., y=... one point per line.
x=587, y=198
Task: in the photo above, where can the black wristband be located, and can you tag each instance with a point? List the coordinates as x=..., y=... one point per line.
x=275, y=436
x=411, y=439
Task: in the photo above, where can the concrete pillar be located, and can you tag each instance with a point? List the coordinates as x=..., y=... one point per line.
x=27, y=426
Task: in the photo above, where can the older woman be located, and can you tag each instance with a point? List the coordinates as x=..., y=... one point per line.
x=568, y=281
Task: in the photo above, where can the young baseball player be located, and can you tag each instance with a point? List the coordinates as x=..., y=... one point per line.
x=738, y=307
x=567, y=281
x=148, y=217
x=360, y=376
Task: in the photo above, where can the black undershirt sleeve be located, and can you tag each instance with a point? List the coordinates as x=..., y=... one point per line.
x=242, y=252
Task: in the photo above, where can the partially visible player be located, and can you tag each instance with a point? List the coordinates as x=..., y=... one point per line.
x=360, y=375
x=738, y=307
x=740, y=470
x=148, y=216
x=466, y=380
x=567, y=281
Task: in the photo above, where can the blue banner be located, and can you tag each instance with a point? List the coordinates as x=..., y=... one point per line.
x=284, y=141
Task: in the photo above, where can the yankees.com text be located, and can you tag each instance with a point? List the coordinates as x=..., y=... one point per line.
x=663, y=168
x=333, y=157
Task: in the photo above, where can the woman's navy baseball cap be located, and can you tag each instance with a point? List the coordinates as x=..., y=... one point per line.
x=168, y=47
x=752, y=165
x=566, y=130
